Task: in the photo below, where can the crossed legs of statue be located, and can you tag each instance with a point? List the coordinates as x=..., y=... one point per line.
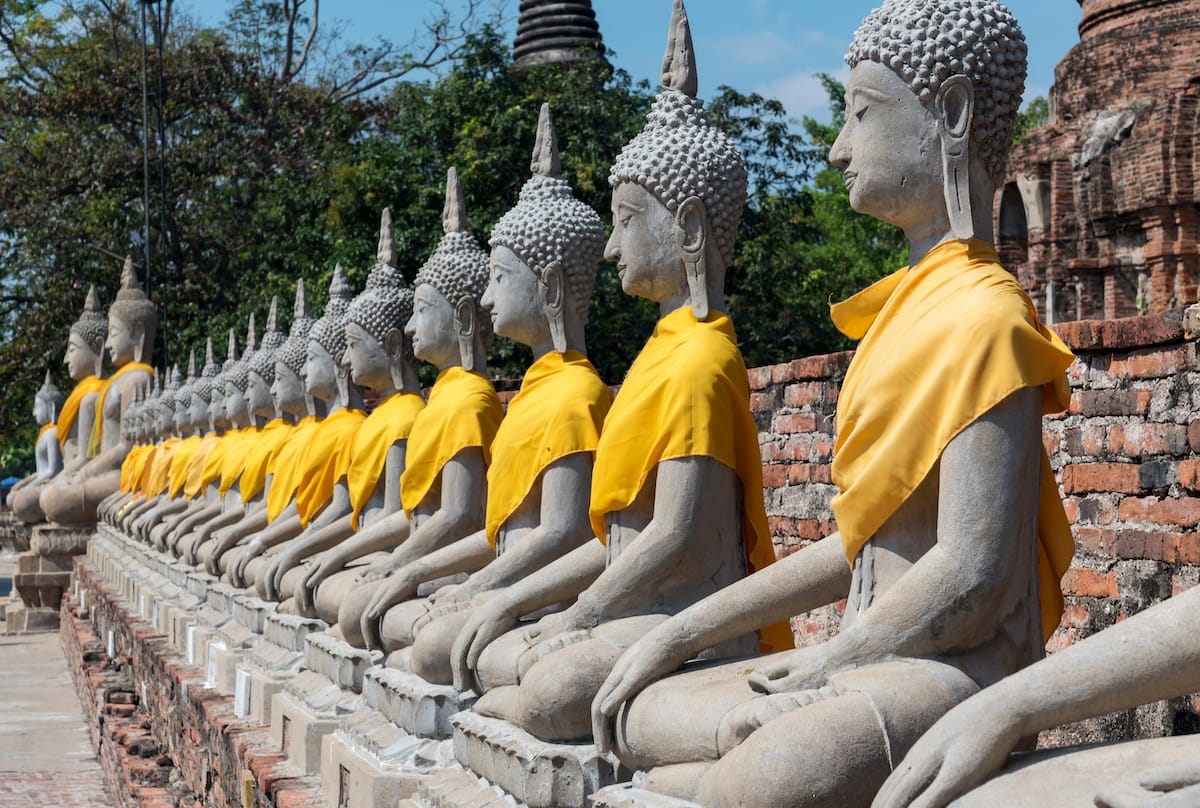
x=831, y=746
x=547, y=686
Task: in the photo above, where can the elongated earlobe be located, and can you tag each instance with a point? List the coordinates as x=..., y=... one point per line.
x=955, y=106
x=464, y=326
x=553, y=294
x=693, y=222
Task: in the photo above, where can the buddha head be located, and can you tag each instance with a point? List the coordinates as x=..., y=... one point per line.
x=931, y=102
x=202, y=390
x=327, y=341
x=183, y=398
x=132, y=320
x=218, y=415
x=166, y=403
x=545, y=252
x=288, y=387
x=237, y=381
x=449, y=326
x=377, y=352
x=261, y=367
x=47, y=401
x=678, y=192
x=85, y=344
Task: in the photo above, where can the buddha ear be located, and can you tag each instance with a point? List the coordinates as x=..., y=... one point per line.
x=465, y=328
x=552, y=292
x=692, y=219
x=139, y=339
x=393, y=343
x=955, y=109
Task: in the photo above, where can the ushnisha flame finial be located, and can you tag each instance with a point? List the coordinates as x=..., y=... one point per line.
x=546, y=162
x=454, y=212
x=387, y=253
x=679, y=62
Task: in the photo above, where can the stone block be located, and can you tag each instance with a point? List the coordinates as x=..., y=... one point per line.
x=534, y=772
x=338, y=661
x=59, y=540
x=627, y=795
x=22, y=619
x=252, y=612
x=289, y=630
x=307, y=709
x=419, y=707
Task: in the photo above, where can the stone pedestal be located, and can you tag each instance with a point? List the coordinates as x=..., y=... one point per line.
x=14, y=534
x=628, y=795
x=307, y=709
x=338, y=661
x=420, y=708
x=43, y=573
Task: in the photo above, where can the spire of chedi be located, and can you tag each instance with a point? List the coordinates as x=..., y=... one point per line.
x=556, y=32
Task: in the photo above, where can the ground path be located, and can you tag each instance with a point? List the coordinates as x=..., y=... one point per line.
x=46, y=756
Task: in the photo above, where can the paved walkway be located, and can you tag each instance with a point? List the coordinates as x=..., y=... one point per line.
x=46, y=756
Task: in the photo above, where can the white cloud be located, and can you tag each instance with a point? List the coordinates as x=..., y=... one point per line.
x=754, y=48
x=801, y=92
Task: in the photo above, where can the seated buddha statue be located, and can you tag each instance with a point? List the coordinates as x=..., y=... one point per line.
x=47, y=454
x=676, y=494
x=951, y=534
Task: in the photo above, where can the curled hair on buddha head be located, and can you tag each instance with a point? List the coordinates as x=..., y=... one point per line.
x=239, y=374
x=183, y=395
x=166, y=401
x=295, y=348
x=262, y=361
x=92, y=325
x=133, y=308
x=549, y=224
x=458, y=267
x=680, y=154
x=387, y=301
x=330, y=331
x=50, y=394
x=929, y=41
x=203, y=386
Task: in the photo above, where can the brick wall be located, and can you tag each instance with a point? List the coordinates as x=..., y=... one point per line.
x=1127, y=458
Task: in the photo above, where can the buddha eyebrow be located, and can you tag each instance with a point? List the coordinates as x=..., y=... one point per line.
x=874, y=95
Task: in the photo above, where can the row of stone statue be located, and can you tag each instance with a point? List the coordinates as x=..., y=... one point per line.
x=601, y=568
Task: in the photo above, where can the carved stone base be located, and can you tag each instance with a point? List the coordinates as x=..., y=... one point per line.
x=417, y=706
x=308, y=708
x=14, y=534
x=43, y=571
x=627, y=795
x=338, y=661
x=534, y=772
x=456, y=787
x=22, y=619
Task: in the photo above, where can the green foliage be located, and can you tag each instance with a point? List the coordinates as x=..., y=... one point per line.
x=1035, y=114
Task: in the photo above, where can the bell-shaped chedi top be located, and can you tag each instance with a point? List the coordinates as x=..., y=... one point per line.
x=556, y=32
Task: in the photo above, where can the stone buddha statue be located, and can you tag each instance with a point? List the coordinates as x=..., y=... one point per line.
x=84, y=358
x=327, y=456
x=377, y=356
x=47, y=454
x=443, y=486
x=951, y=534
x=141, y=450
x=545, y=252
x=161, y=416
x=132, y=321
x=676, y=493
x=283, y=366
x=267, y=431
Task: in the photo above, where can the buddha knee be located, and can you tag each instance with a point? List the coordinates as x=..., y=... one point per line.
x=744, y=719
x=397, y=630
x=556, y=692
x=350, y=612
x=431, y=649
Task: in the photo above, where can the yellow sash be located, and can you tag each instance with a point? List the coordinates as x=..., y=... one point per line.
x=70, y=408
x=216, y=458
x=392, y=420
x=179, y=464
x=558, y=412
x=45, y=428
x=463, y=411
x=234, y=460
x=942, y=343
x=286, y=466
x=131, y=466
x=143, y=470
x=97, y=436
x=193, y=487
x=270, y=440
x=158, y=478
x=686, y=395
x=326, y=461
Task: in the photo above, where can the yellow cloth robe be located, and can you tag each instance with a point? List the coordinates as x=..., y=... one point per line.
x=44, y=429
x=131, y=466
x=97, y=436
x=390, y=421
x=287, y=466
x=258, y=459
x=687, y=395
x=158, y=478
x=558, y=412
x=179, y=464
x=193, y=487
x=941, y=344
x=70, y=410
x=143, y=471
x=216, y=458
x=326, y=460
x=463, y=411
x=234, y=461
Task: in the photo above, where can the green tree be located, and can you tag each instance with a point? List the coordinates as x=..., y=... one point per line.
x=1035, y=114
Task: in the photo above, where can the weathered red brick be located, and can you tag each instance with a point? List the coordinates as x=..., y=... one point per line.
x=805, y=394
x=1083, y=582
x=795, y=422
x=1154, y=363
x=1189, y=473
x=775, y=475
x=763, y=402
x=1079, y=478
x=1140, y=439
x=1194, y=436
x=760, y=378
x=1184, y=511
x=1076, y=615
x=1095, y=540
x=1110, y=402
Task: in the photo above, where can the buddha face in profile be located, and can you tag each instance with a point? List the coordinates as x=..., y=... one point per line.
x=320, y=372
x=431, y=328
x=645, y=244
x=235, y=403
x=513, y=298
x=369, y=359
x=889, y=148
x=258, y=396
x=122, y=341
x=182, y=418
x=216, y=409
x=43, y=410
x=198, y=411
x=81, y=359
x=288, y=390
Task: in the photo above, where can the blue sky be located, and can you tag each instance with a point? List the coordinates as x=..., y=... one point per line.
x=769, y=46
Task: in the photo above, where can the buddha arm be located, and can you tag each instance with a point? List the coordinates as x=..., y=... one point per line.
x=108, y=460
x=285, y=527
x=392, y=469
x=329, y=529
x=952, y=591
x=564, y=526
x=459, y=511
x=464, y=555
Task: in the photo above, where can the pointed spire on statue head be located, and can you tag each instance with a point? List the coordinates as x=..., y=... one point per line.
x=191, y=373
x=251, y=336
x=92, y=304
x=546, y=162
x=129, y=278
x=387, y=253
x=300, y=309
x=273, y=315
x=454, y=212
x=339, y=287
x=679, y=62
x=231, y=352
